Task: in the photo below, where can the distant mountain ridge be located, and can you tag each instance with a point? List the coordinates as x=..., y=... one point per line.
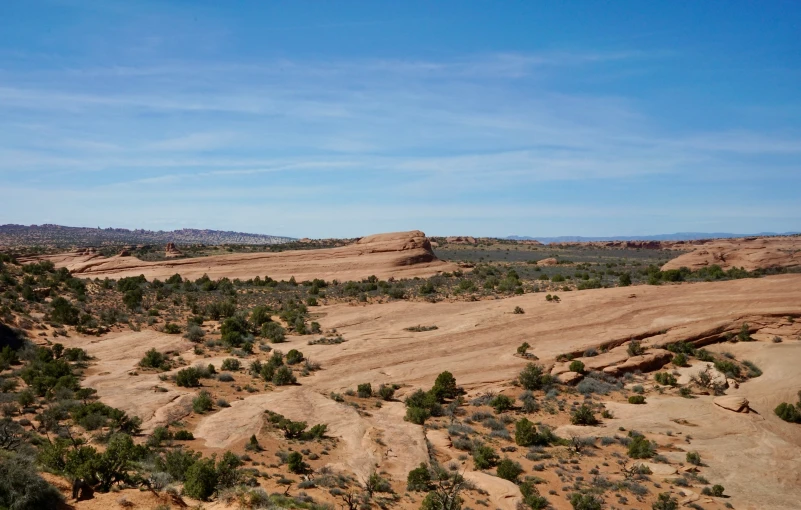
x=58, y=235
x=678, y=236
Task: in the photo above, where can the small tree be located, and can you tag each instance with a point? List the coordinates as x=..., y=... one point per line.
x=694, y=458
x=523, y=349
x=201, y=479
x=533, y=377
x=525, y=432
x=445, y=387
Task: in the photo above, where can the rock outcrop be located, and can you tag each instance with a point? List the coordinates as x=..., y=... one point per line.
x=396, y=255
x=749, y=253
x=732, y=403
x=172, y=251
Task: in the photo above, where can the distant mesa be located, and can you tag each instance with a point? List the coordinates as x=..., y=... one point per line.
x=461, y=240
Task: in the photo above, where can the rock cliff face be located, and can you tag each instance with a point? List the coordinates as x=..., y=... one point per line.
x=398, y=255
x=749, y=253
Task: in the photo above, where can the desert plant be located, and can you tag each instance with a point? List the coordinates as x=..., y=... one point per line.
x=518, y=310
x=583, y=415
x=694, y=458
x=202, y=402
x=231, y=364
x=577, y=366
x=484, y=457
x=284, y=376
x=584, y=501
x=533, y=377
x=419, y=479
x=364, y=390
x=639, y=447
x=636, y=399
x=188, y=377
x=502, y=403
x=509, y=470
x=664, y=501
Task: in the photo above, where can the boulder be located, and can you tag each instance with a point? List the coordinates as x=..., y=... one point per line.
x=547, y=262
x=569, y=377
x=733, y=403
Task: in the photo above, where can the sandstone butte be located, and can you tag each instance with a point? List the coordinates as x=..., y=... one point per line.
x=398, y=255
x=749, y=253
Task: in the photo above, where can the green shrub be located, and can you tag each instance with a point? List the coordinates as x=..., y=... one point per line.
x=386, y=392
x=364, y=390
x=419, y=479
x=295, y=463
x=680, y=360
x=518, y=310
x=664, y=501
x=694, y=458
x=417, y=415
x=583, y=415
x=194, y=333
x=636, y=399
x=231, y=364
x=188, y=377
x=788, y=412
x=234, y=330
x=202, y=402
x=533, y=377
x=21, y=487
x=154, y=359
x=201, y=479
x=665, y=379
x=284, y=376
x=640, y=448
x=509, y=470
x=484, y=457
x=64, y=312
x=525, y=432
x=635, y=348
x=172, y=329
x=581, y=501
x=577, y=366
x=716, y=491
x=293, y=357
x=133, y=299
x=523, y=348
x=445, y=387
x=183, y=435
x=624, y=280
x=502, y=403
x=274, y=332
x=744, y=335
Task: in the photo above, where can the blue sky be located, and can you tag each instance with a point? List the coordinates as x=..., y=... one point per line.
x=326, y=119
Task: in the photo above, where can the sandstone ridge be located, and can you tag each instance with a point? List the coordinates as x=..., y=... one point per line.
x=397, y=254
